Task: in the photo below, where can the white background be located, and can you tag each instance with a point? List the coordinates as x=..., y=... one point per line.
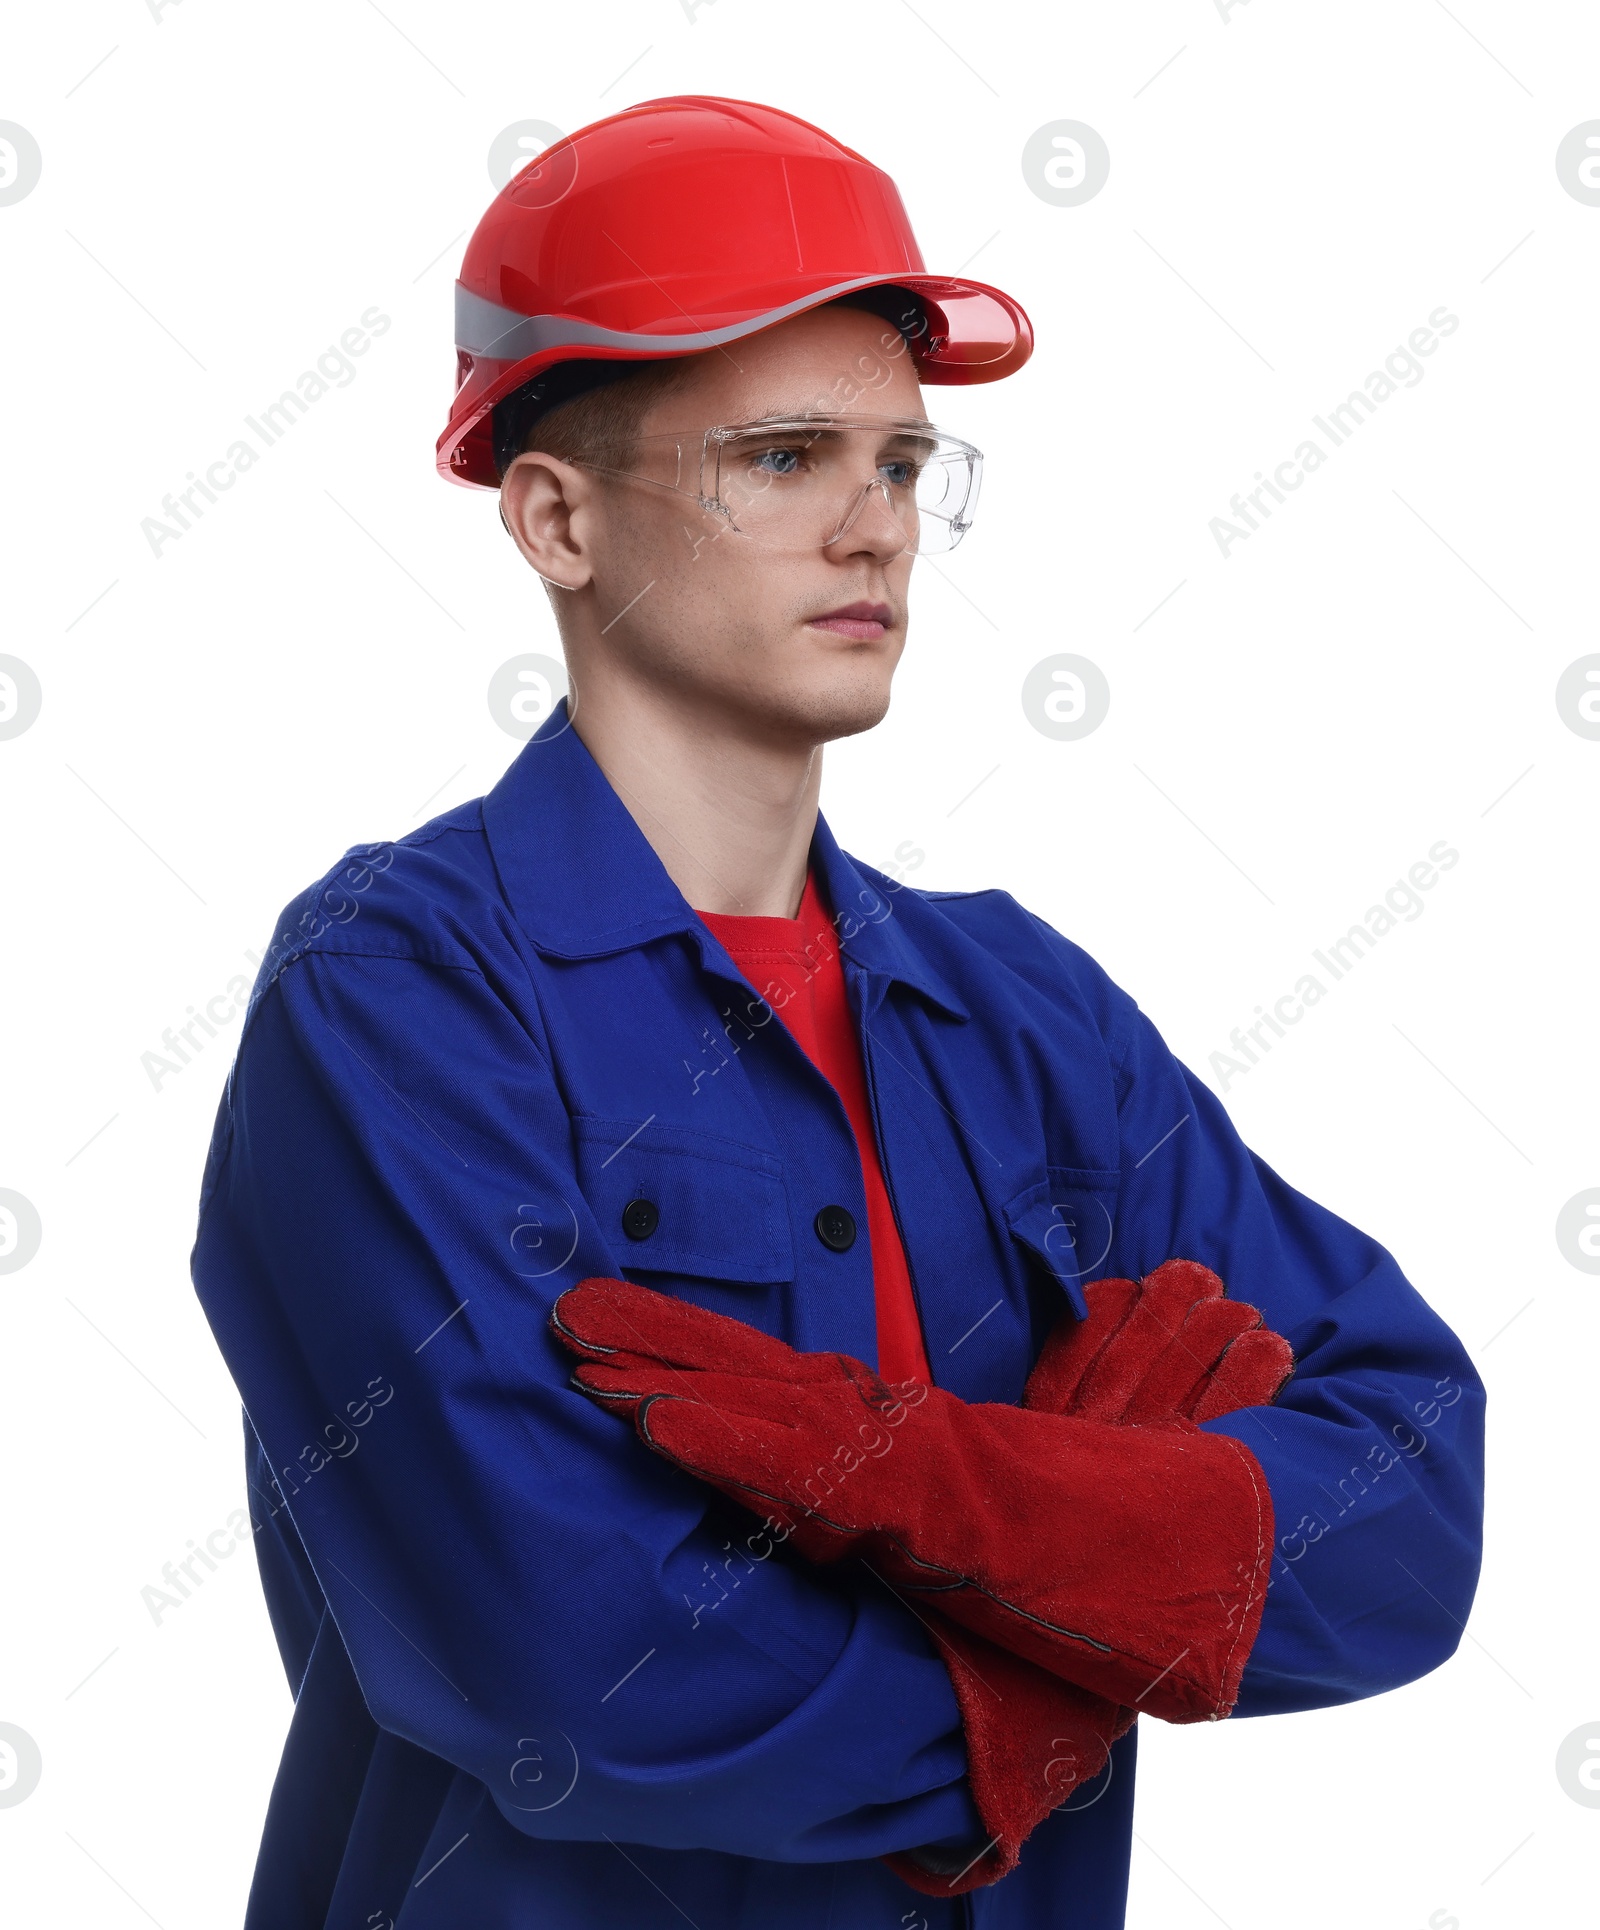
x=1290, y=196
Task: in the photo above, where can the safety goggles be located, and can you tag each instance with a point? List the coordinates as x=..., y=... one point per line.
x=800, y=483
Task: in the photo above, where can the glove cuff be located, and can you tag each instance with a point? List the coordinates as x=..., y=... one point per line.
x=1130, y=1561
x=1031, y=1738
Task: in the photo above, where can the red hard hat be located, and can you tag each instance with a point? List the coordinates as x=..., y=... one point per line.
x=679, y=225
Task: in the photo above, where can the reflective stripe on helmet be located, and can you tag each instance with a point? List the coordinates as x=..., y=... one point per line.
x=485, y=329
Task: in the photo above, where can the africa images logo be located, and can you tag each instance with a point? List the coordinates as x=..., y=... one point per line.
x=1401, y=905
x=1401, y=368
x=181, y=509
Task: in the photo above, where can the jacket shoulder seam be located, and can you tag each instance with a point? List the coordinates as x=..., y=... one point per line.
x=316, y=948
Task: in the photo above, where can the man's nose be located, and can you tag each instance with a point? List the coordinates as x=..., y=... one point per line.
x=871, y=523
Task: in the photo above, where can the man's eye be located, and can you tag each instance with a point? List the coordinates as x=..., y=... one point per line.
x=777, y=462
x=902, y=473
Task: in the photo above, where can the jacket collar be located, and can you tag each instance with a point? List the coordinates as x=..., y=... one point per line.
x=583, y=881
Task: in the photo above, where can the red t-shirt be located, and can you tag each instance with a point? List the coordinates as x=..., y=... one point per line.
x=794, y=964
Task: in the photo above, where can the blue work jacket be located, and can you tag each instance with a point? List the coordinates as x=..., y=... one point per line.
x=543, y=1678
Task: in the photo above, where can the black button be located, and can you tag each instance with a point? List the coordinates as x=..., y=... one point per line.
x=835, y=1228
x=640, y=1219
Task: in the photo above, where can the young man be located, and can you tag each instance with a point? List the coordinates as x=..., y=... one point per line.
x=925, y=1275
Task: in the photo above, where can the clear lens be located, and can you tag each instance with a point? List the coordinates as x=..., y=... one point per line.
x=801, y=483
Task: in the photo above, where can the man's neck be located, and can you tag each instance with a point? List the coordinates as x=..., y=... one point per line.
x=730, y=819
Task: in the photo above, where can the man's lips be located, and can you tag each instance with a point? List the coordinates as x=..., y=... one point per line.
x=863, y=621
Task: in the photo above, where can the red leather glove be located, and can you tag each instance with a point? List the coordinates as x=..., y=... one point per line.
x=1130, y=1560
x=1032, y=1738
x=1168, y=1347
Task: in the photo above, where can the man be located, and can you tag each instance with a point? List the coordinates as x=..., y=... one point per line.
x=926, y=1277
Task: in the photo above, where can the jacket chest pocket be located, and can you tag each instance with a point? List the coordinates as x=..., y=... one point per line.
x=1066, y=1222
x=670, y=1200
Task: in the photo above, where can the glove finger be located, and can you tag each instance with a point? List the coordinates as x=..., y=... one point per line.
x=1252, y=1373
x=1175, y=1286
x=733, y=1457
x=802, y=1380
x=1182, y=1371
x=1166, y=1297
x=1070, y=1351
x=622, y=1379
x=1211, y=1327
x=601, y=1317
x=759, y=1463
x=737, y=1456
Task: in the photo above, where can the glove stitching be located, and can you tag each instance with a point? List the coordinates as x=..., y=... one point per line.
x=1250, y=1468
x=579, y=1344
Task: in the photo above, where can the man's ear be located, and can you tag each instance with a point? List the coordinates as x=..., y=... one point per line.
x=541, y=501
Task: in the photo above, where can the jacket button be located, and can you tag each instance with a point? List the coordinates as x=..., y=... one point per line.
x=835, y=1228
x=640, y=1219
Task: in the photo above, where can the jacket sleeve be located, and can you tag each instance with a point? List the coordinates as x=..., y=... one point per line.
x=389, y=1211
x=1373, y=1452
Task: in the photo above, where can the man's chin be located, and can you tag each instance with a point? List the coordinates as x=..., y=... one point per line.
x=840, y=691
x=820, y=716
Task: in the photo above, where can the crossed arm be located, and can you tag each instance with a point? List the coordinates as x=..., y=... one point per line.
x=355, y=1224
